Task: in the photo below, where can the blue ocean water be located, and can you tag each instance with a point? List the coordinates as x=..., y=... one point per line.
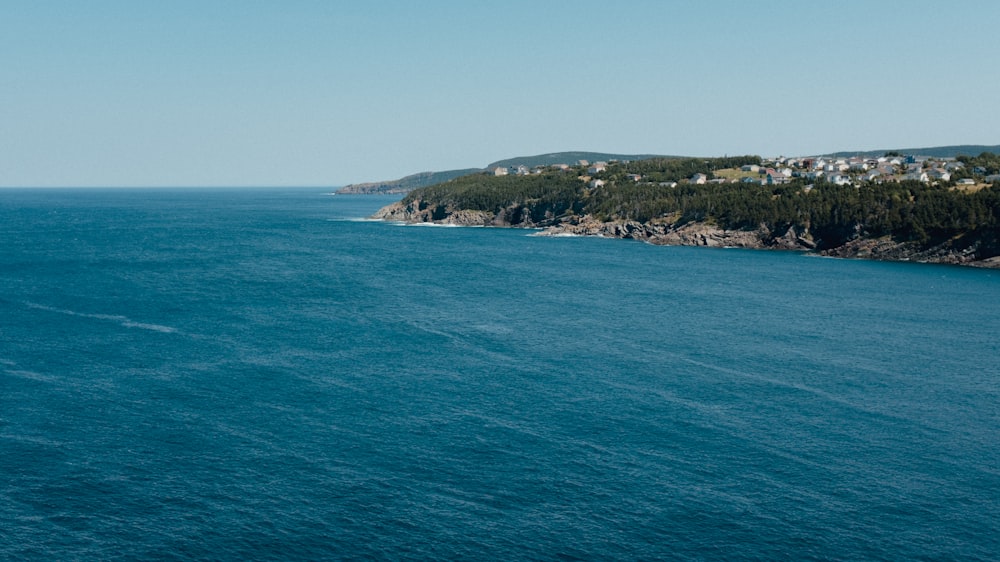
x=256, y=374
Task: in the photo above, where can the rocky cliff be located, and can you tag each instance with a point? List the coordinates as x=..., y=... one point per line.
x=972, y=249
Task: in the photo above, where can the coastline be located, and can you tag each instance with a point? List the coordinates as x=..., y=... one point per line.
x=957, y=251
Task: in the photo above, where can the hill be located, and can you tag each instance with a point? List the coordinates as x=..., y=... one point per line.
x=424, y=179
x=934, y=152
x=406, y=184
x=654, y=200
x=570, y=158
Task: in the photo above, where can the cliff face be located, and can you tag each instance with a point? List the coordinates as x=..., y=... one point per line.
x=689, y=234
x=973, y=249
x=418, y=211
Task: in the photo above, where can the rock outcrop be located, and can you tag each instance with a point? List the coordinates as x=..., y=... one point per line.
x=965, y=250
x=688, y=234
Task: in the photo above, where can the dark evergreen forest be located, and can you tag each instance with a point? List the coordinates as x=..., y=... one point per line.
x=905, y=210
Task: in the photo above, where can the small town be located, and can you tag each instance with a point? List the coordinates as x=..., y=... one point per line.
x=777, y=171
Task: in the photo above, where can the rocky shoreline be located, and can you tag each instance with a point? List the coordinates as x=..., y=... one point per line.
x=958, y=251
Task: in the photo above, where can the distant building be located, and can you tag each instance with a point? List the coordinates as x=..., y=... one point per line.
x=838, y=178
x=775, y=178
x=500, y=171
x=939, y=174
x=699, y=179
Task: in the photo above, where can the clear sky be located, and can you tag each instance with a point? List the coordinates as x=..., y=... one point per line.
x=301, y=92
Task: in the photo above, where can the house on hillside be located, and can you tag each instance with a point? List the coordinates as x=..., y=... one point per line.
x=775, y=178
x=699, y=179
x=750, y=168
x=886, y=169
x=597, y=168
x=838, y=178
x=873, y=175
x=939, y=174
x=500, y=171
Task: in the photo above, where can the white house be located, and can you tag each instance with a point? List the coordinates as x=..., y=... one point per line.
x=776, y=178
x=500, y=171
x=699, y=179
x=597, y=168
x=838, y=178
x=939, y=174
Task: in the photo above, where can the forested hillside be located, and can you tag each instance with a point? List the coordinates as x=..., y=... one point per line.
x=834, y=214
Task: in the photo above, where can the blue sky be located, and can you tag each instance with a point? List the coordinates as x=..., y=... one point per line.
x=299, y=92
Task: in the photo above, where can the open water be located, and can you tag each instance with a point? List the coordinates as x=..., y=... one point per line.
x=255, y=374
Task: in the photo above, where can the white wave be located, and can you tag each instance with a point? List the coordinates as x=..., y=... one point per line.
x=123, y=320
x=153, y=327
x=31, y=375
x=543, y=234
x=434, y=224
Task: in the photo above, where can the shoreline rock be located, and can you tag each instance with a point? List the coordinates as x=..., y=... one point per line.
x=953, y=252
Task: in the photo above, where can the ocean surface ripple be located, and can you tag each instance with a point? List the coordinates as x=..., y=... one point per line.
x=261, y=374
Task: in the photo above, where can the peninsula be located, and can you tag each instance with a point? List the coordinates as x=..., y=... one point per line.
x=888, y=207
